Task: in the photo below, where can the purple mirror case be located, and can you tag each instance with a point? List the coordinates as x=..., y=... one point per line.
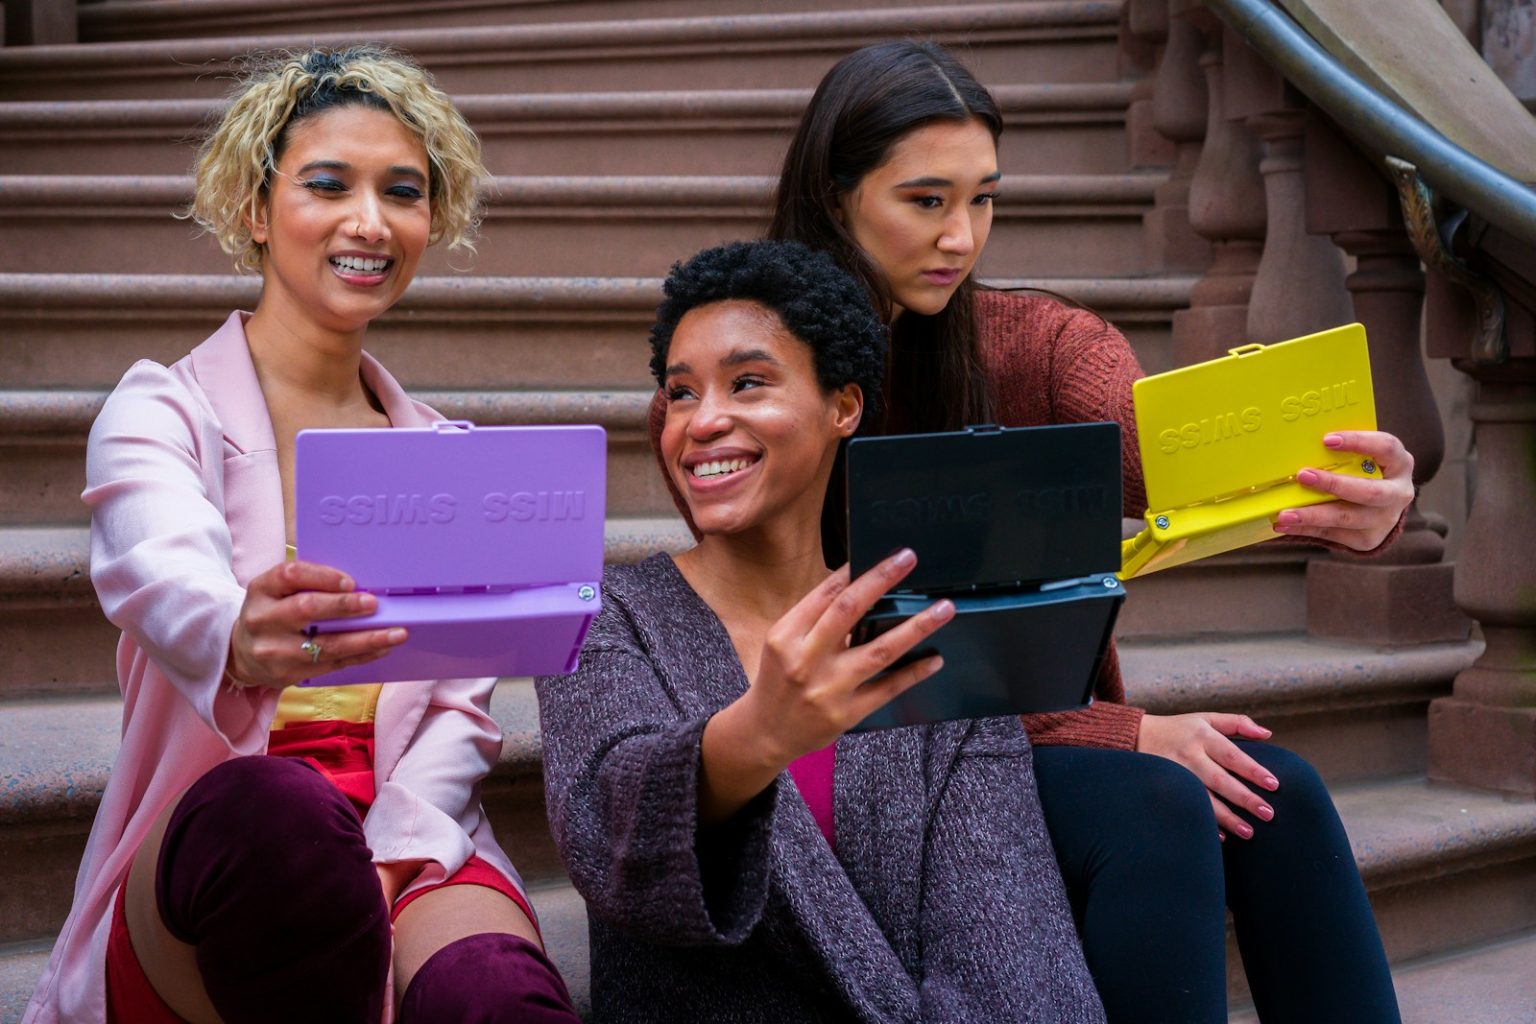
x=486, y=543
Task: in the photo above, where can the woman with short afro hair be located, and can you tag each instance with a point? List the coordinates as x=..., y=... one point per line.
x=688, y=762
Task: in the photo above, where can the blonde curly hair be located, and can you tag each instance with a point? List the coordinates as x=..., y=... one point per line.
x=236, y=162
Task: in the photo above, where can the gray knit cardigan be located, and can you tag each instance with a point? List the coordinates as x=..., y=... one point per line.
x=942, y=902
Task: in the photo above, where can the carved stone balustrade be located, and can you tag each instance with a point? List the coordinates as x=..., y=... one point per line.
x=1484, y=734
x=1179, y=108
x=1404, y=596
x=1226, y=207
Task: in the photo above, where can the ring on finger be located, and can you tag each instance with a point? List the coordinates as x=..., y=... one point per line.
x=311, y=648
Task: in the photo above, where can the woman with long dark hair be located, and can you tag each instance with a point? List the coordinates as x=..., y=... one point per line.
x=1158, y=821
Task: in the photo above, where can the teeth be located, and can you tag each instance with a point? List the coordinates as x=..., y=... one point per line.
x=359, y=263
x=720, y=467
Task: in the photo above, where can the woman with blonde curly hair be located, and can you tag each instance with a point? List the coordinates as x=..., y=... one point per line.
x=265, y=852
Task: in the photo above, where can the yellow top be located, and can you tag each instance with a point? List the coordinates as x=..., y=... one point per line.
x=326, y=703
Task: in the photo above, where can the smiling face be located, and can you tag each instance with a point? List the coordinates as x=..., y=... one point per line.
x=923, y=216
x=750, y=435
x=345, y=219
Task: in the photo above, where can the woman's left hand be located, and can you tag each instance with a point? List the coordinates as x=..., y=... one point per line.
x=1200, y=742
x=1368, y=508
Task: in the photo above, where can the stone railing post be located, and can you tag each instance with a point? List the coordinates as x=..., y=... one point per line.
x=1298, y=287
x=1143, y=33
x=1484, y=734
x=1403, y=596
x=1179, y=110
x=1226, y=207
x=39, y=22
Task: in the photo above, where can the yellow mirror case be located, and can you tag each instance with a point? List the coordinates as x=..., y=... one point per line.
x=1221, y=442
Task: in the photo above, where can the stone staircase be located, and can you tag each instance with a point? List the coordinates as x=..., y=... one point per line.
x=608, y=171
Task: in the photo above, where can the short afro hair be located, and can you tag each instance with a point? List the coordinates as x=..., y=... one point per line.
x=817, y=301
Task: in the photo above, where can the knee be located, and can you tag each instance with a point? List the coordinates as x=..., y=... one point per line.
x=1302, y=801
x=273, y=804
x=1173, y=803
x=263, y=833
x=488, y=979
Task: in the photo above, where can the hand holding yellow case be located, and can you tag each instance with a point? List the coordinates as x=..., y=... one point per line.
x=1221, y=442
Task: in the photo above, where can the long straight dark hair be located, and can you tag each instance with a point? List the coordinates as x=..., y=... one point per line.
x=867, y=103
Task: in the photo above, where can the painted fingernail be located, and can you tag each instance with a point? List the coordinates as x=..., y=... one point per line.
x=904, y=558
x=943, y=611
x=1271, y=783
x=1266, y=812
x=1332, y=440
x=1307, y=477
x=1221, y=835
x=395, y=636
x=1290, y=517
x=1245, y=830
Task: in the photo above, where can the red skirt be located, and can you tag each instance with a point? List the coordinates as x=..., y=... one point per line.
x=343, y=751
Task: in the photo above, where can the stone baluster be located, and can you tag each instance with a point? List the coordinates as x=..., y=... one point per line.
x=1226, y=207
x=1179, y=110
x=38, y=22
x=1143, y=31
x=1484, y=734
x=1404, y=595
x=1298, y=287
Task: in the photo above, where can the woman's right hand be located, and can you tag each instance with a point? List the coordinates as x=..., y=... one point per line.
x=266, y=645
x=812, y=685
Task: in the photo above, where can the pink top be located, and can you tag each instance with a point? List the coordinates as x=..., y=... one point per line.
x=813, y=777
x=186, y=507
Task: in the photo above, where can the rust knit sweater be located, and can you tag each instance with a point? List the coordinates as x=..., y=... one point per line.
x=1049, y=363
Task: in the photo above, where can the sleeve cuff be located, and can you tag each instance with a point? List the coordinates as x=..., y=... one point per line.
x=402, y=826
x=1101, y=724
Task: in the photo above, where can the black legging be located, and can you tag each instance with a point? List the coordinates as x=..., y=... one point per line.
x=1147, y=877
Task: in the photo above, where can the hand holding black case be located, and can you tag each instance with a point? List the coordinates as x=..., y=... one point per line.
x=1020, y=528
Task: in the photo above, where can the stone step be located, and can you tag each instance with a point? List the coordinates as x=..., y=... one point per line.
x=21, y=964
x=42, y=454
x=1045, y=40
x=1447, y=868
x=112, y=20
x=1353, y=710
x=82, y=331
x=1074, y=226
x=56, y=755
x=54, y=639
x=1491, y=983
x=1050, y=129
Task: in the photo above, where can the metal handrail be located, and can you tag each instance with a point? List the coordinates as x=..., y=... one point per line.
x=1379, y=122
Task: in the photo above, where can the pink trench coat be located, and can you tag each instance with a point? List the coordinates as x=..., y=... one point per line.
x=186, y=507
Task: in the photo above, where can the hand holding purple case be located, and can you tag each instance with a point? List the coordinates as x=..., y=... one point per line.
x=485, y=543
